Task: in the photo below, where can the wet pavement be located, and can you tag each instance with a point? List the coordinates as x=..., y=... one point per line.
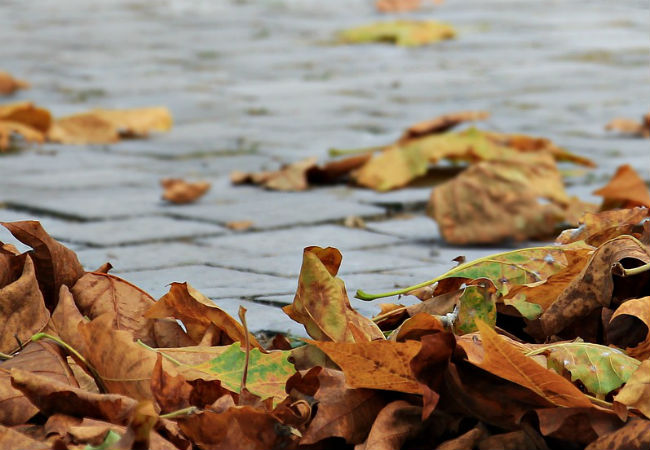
x=253, y=84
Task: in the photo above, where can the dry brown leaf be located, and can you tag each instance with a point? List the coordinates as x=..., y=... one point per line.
x=22, y=311
x=55, y=264
x=27, y=114
x=343, y=412
x=626, y=189
x=506, y=361
x=52, y=396
x=197, y=312
x=596, y=229
x=9, y=84
x=634, y=435
x=636, y=391
x=441, y=124
x=93, y=432
x=395, y=424
x=391, y=6
x=124, y=366
x=11, y=439
x=321, y=303
x=499, y=199
x=39, y=358
x=631, y=126
x=82, y=129
x=375, y=365
x=594, y=286
x=65, y=321
x=629, y=328
x=8, y=129
x=464, y=441
x=171, y=392
x=99, y=293
x=232, y=429
x=179, y=191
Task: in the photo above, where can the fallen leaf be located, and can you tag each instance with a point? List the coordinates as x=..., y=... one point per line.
x=634, y=435
x=629, y=327
x=395, y=424
x=102, y=126
x=506, y=361
x=631, y=126
x=22, y=311
x=237, y=427
x=39, y=358
x=55, y=264
x=240, y=225
x=407, y=33
x=51, y=396
x=94, y=432
x=596, y=229
x=27, y=114
x=197, y=312
x=267, y=373
x=528, y=439
x=636, y=392
x=179, y=191
x=477, y=302
x=321, y=303
x=601, y=369
x=124, y=366
x=9, y=129
x=376, y=364
x=594, y=285
x=172, y=392
x=499, y=199
x=139, y=433
x=387, y=6
x=441, y=124
x=15, y=440
x=342, y=412
x=578, y=425
x=626, y=189
x=466, y=440
x=9, y=84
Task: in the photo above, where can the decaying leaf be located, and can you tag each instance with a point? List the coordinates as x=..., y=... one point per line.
x=499, y=199
x=10, y=438
x=596, y=229
x=240, y=225
x=629, y=327
x=506, y=361
x=631, y=126
x=634, y=435
x=441, y=124
x=593, y=286
x=395, y=424
x=9, y=129
x=180, y=191
x=375, y=364
x=407, y=33
x=477, y=302
x=9, y=84
x=636, y=392
x=321, y=303
x=23, y=119
x=626, y=189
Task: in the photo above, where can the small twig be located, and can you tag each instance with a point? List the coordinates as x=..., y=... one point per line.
x=242, y=317
x=181, y=412
x=76, y=354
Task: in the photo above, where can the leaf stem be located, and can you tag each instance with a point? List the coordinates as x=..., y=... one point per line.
x=362, y=295
x=599, y=402
x=242, y=317
x=98, y=379
x=5, y=356
x=181, y=412
x=164, y=355
x=634, y=271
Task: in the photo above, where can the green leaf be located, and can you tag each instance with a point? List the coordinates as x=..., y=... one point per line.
x=267, y=372
x=530, y=311
x=601, y=369
x=476, y=302
x=406, y=33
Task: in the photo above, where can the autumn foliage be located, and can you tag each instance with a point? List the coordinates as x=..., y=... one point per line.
x=515, y=350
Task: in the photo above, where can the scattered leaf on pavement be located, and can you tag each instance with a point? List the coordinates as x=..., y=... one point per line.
x=180, y=191
x=9, y=84
x=626, y=189
x=406, y=33
x=631, y=126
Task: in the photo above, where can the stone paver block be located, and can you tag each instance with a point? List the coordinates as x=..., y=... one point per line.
x=262, y=317
x=133, y=230
x=294, y=240
x=421, y=228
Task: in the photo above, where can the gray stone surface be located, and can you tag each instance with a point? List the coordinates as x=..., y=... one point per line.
x=255, y=84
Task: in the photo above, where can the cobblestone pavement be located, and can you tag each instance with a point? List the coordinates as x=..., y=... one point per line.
x=254, y=83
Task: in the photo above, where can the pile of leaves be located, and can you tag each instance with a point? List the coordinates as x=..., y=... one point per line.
x=544, y=347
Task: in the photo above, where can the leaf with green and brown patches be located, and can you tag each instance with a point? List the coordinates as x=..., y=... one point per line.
x=39, y=358
x=596, y=229
x=477, y=302
x=22, y=310
x=407, y=33
x=506, y=361
x=321, y=303
x=636, y=392
x=55, y=264
x=267, y=372
x=594, y=286
x=601, y=369
x=376, y=364
x=197, y=312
